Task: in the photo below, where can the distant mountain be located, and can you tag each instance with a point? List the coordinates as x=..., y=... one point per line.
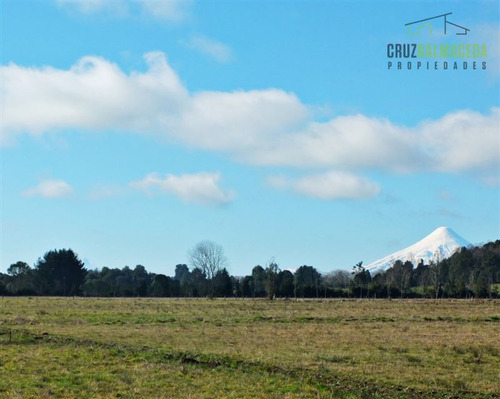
x=438, y=245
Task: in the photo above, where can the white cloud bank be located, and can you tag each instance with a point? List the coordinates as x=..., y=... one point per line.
x=50, y=189
x=95, y=94
x=201, y=188
x=261, y=127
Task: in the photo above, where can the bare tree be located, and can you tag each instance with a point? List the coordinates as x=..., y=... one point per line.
x=339, y=278
x=210, y=259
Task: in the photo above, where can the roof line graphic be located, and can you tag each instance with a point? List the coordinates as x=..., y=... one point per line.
x=446, y=23
x=459, y=26
x=427, y=19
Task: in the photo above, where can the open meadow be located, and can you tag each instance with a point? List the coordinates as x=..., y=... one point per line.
x=201, y=348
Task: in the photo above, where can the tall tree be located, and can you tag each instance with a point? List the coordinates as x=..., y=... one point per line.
x=246, y=286
x=141, y=280
x=460, y=271
x=421, y=277
x=272, y=271
x=183, y=276
x=285, y=284
x=199, y=283
x=210, y=259
x=60, y=272
x=361, y=278
x=306, y=281
x=439, y=275
x=21, y=278
x=258, y=281
x=402, y=274
x=223, y=286
x=3, y=289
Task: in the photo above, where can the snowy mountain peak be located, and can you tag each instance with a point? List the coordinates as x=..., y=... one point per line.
x=438, y=245
x=443, y=232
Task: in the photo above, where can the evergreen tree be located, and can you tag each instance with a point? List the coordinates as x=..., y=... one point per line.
x=306, y=282
x=259, y=282
x=60, y=272
x=285, y=284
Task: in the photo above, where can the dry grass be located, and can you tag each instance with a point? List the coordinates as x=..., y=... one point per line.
x=257, y=348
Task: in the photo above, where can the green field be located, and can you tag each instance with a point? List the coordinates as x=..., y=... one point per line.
x=200, y=348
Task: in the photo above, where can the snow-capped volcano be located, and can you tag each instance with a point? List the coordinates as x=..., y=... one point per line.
x=438, y=245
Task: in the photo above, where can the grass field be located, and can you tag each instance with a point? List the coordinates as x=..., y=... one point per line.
x=199, y=348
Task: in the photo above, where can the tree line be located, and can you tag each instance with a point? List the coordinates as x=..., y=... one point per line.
x=470, y=272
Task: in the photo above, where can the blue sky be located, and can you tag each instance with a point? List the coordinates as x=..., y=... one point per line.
x=133, y=129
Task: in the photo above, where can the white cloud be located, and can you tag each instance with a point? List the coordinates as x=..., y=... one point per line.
x=200, y=188
x=328, y=186
x=114, y=7
x=239, y=122
x=105, y=191
x=261, y=127
x=50, y=189
x=463, y=140
x=94, y=94
x=213, y=48
x=459, y=141
x=353, y=142
x=168, y=10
